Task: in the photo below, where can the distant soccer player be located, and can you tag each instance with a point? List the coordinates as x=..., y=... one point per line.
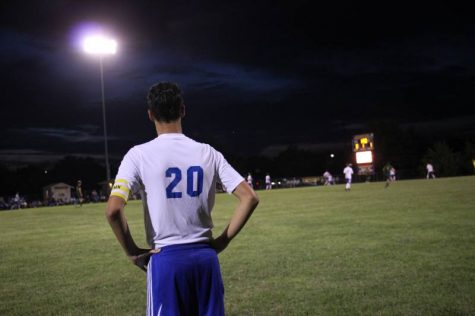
x=249, y=180
x=392, y=174
x=327, y=176
x=268, y=182
x=348, y=171
x=430, y=171
x=387, y=173
x=177, y=179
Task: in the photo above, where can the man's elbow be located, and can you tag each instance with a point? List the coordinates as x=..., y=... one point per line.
x=253, y=199
x=246, y=195
x=112, y=213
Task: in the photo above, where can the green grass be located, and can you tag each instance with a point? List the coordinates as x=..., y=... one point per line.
x=405, y=250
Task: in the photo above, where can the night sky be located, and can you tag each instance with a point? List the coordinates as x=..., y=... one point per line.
x=256, y=75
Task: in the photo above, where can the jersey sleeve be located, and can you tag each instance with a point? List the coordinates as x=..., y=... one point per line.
x=227, y=176
x=127, y=177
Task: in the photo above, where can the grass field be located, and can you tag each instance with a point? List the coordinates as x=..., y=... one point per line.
x=405, y=250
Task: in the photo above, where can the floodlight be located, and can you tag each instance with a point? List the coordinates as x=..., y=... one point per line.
x=99, y=45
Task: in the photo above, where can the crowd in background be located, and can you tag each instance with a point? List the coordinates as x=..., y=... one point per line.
x=19, y=201
x=78, y=196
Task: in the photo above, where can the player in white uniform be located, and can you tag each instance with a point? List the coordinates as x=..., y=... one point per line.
x=430, y=171
x=177, y=177
x=249, y=180
x=328, y=178
x=392, y=174
x=268, y=182
x=348, y=171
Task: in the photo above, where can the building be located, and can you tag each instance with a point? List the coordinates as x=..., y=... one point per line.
x=60, y=192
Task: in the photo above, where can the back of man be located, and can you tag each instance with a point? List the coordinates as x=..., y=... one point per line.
x=179, y=176
x=348, y=171
x=176, y=177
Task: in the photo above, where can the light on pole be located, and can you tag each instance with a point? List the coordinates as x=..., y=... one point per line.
x=102, y=46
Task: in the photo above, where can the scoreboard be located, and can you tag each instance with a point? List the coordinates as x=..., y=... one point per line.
x=363, y=142
x=363, y=146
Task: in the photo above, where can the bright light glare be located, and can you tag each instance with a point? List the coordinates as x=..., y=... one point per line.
x=99, y=45
x=364, y=157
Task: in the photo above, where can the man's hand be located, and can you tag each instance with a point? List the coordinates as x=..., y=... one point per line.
x=116, y=217
x=142, y=257
x=220, y=243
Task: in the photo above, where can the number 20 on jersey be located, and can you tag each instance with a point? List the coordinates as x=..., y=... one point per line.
x=193, y=173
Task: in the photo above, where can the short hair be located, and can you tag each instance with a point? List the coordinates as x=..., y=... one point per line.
x=165, y=101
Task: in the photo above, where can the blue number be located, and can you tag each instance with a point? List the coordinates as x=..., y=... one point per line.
x=190, y=183
x=173, y=171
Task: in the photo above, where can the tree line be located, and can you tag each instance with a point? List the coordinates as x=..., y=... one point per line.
x=406, y=150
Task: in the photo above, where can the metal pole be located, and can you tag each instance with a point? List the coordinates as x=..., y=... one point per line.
x=108, y=172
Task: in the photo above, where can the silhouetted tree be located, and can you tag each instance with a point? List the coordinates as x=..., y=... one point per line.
x=468, y=158
x=445, y=161
x=400, y=146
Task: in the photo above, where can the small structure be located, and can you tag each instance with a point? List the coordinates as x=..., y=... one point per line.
x=59, y=192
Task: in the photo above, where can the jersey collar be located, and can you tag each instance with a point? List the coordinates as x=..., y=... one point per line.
x=170, y=136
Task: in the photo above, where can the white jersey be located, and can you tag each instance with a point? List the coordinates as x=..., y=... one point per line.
x=177, y=178
x=267, y=179
x=430, y=168
x=348, y=171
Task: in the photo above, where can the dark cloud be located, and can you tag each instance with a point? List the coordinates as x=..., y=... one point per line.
x=256, y=75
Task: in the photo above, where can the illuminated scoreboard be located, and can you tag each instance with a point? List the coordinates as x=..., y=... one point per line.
x=363, y=142
x=363, y=146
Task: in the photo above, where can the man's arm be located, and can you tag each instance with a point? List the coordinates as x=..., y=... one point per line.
x=116, y=217
x=248, y=201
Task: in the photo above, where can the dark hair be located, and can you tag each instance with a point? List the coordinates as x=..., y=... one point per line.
x=165, y=101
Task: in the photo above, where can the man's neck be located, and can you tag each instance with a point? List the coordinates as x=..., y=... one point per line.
x=167, y=128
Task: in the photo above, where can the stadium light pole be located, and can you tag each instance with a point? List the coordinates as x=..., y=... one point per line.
x=102, y=46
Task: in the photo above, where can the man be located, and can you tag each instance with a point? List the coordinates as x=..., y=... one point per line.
x=328, y=178
x=16, y=202
x=392, y=174
x=249, y=180
x=79, y=194
x=387, y=173
x=430, y=171
x=177, y=179
x=268, y=182
x=348, y=171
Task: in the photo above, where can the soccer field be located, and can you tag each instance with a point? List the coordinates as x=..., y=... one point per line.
x=405, y=250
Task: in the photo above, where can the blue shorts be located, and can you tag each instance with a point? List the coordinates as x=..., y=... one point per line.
x=185, y=280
